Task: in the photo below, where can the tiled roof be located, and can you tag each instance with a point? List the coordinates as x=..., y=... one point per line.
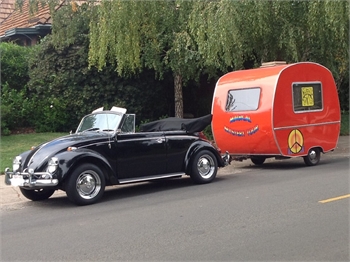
x=6, y=8
x=11, y=18
x=23, y=18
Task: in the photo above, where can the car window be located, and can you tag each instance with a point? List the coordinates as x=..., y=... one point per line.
x=105, y=121
x=129, y=124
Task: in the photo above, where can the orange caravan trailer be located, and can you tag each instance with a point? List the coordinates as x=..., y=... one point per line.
x=278, y=110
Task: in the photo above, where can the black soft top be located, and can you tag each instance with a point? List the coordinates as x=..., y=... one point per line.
x=174, y=123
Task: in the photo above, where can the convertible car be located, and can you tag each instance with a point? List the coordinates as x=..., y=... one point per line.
x=106, y=150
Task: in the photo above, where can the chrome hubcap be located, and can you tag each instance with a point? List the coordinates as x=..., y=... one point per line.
x=88, y=184
x=312, y=155
x=205, y=166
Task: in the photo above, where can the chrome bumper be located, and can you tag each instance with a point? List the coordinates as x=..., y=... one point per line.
x=31, y=180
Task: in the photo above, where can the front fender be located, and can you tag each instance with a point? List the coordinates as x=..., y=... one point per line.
x=68, y=160
x=196, y=147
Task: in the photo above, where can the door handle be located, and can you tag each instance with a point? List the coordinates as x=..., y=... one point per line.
x=160, y=140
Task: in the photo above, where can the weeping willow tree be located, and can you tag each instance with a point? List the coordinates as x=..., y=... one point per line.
x=232, y=32
x=146, y=34
x=186, y=37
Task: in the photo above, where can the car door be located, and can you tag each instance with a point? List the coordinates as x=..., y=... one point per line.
x=178, y=143
x=140, y=155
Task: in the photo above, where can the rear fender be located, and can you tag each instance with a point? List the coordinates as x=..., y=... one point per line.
x=196, y=147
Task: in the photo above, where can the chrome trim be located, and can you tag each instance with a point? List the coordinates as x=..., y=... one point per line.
x=312, y=110
x=31, y=181
x=206, y=166
x=31, y=159
x=88, y=184
x=161, y=140
x=273, y=111
x=249, y=155
x=93, y=144
x=147, y=178
x=307, y=125
x=155, y=138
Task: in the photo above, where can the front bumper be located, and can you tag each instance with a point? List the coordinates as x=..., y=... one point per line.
x=29, y=179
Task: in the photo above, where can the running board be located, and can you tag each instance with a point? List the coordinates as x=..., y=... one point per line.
x=148, y=178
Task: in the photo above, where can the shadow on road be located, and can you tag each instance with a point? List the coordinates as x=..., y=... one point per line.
x=237, y=172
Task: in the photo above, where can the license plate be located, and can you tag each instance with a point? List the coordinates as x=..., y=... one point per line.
x=17, y=180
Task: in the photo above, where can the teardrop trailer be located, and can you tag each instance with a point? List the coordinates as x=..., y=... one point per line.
x=278, y=110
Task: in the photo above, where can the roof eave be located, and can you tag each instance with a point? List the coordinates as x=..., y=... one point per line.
x=37, y=30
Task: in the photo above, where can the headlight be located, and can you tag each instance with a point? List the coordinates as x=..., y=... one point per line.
x=16, y=165
x=52, y=165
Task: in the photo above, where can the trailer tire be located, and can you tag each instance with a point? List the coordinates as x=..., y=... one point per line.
x=313, y=157
x=258, y=160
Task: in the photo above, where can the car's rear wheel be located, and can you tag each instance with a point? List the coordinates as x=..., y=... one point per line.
x=258, y=160
x=85, y=185
x=313, y=157
x=37, y=194
x=204, y=167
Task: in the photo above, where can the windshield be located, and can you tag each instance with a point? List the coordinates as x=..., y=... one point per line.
x=100, y=121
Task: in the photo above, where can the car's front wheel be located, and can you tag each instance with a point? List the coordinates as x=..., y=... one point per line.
x=204, y=167
x=85, y=185
x=37, y=194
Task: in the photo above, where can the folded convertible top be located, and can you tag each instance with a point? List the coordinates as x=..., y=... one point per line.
x=173, y=123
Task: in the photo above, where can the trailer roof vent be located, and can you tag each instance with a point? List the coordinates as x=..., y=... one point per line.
x=273, y=63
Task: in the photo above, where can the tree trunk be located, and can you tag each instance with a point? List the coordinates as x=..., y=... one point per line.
x=179, y=108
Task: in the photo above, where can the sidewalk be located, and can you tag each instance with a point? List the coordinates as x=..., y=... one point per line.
x=12, y=195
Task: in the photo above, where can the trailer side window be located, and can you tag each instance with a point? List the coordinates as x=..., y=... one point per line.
x=307, y=97
x=243, y=99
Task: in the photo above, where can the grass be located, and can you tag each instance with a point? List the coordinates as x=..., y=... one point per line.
x=13, y=145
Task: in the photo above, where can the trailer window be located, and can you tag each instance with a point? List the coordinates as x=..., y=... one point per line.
x=243, y=99
x=307, y=97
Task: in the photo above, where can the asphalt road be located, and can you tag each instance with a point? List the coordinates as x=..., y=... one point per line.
x=269, y=213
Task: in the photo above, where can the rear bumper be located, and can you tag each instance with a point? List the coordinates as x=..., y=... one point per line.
x=29, y=179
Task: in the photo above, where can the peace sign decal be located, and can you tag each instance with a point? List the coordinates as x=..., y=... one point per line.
x=295, y=142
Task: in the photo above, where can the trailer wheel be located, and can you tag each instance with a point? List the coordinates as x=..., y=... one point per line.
x=313, y=157
x=258, y=160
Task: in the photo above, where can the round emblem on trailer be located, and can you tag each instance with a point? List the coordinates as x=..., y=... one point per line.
x=295, y=142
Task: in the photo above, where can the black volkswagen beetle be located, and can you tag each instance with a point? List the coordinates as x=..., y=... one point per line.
x=106, y=150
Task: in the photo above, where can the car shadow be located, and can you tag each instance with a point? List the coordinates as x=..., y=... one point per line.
x=128, y=191
x=119, y=192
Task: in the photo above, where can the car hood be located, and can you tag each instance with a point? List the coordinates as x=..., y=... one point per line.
x=39, y=156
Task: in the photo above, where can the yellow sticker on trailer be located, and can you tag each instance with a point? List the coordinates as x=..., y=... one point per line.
x=307, y=94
